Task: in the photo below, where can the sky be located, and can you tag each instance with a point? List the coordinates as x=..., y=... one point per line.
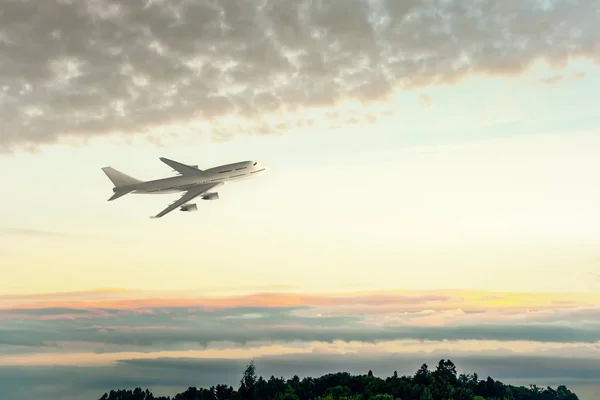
x=432, y=191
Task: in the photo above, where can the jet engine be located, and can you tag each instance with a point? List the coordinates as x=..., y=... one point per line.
x=211, y=196
x=189, y=207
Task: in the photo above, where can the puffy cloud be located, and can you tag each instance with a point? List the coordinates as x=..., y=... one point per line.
x=92, y=67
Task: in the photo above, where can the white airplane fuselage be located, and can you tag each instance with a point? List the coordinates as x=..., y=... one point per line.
x=224, y=173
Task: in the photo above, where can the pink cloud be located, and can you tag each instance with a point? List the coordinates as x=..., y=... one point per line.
x=408, y=308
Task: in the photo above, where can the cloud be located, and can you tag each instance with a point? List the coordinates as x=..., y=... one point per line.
x=357, y=301
x=44, y=338
x=106, y=324
x=502, y=367
x=557, y=79
x=206, y=330
x=95, y=67
x=172, y=375
x=140, y=300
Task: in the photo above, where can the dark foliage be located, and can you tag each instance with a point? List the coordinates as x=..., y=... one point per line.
x=443, y=383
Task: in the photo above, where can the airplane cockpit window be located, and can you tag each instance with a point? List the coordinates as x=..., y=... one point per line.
x=254, y=164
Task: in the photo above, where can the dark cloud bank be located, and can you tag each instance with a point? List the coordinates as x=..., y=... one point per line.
x=89, y=67
x=169, y=376
x=103, y=330
x=172, y=328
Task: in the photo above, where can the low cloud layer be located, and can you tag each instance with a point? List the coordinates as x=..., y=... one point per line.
x=169, y=375
x=93, y=67
x=207, y=330
x=45, y=338
x=106, y=326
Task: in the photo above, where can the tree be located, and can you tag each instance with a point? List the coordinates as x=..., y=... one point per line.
x=562, y=393
x=381, y=397
x=394, y=386
x=289, y=393
x=422, y=375
x=441, y=384
x=445, y=371
x=426, y=395
x=223, y=392
x=248, y=382
x=463, y=393
x=339, y=392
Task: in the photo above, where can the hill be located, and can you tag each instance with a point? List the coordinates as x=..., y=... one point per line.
x=443, y=383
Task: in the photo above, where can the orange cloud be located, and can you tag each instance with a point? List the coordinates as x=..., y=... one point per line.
x=104, y=326
x=360, y=302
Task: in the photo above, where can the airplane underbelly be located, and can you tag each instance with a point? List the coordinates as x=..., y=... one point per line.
x=240, y=178
x=166, y=191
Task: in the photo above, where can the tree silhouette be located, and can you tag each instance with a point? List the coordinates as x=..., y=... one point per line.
x=441, y=384
x=248, y=383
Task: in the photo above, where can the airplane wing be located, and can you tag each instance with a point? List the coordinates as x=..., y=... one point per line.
x=181, y=168
x=191, y=194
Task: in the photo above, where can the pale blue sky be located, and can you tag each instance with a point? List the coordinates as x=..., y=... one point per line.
x=382, y=205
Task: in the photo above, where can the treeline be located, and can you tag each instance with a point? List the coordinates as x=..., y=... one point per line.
x=443, y=383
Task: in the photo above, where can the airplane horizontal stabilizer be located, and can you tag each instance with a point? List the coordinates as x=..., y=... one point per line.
x=118, y=194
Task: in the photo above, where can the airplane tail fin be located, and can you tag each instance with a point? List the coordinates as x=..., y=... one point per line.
x=118, y=178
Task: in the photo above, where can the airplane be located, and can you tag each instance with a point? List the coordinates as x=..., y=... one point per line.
x=191, y=180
